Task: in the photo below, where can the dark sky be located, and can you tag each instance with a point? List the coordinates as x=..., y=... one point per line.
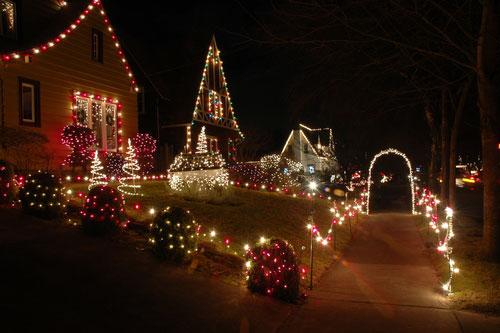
x=273, y=87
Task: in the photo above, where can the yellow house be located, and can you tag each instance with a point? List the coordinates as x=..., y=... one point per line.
x=75, y=73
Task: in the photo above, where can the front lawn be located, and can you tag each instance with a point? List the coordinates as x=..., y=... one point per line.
x=244, y=216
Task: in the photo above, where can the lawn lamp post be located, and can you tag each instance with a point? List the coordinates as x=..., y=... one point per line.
x=312, y=186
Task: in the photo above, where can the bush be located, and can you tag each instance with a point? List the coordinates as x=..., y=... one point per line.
x=103, y=211
x=7, y=184
x=145, y=147
x=174, y=234
x=274, y=270
x=114, y=164
x=42, y=195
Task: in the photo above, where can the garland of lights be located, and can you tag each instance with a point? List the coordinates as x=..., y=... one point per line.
x=97, y=178
x=94, y=4
x=429, y=204
x=410, y=176
x=130, y=168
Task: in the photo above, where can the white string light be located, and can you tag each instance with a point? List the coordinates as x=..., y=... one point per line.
x=408, y=163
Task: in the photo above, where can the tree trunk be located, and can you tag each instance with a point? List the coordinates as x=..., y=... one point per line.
x=431, y=122
x=488, y=80
x=453, y=142
x=445, y=149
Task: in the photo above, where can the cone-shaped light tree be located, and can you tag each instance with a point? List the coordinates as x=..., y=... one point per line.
x=130, y=169
x=201, y=145
x=97, y=177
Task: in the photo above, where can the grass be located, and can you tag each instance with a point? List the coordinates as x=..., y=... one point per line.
x=476, y=287
x=243, y=216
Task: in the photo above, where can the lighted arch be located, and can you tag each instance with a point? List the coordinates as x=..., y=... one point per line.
x=408, y=163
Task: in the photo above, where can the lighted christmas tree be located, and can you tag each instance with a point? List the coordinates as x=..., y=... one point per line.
x=201, y=145
x=130, y=169
x=97, y=177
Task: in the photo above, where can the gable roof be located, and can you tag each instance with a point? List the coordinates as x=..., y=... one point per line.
x=321, y=144
x=26, y=48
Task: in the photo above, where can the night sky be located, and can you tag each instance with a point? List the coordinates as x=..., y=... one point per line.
x=275, y=87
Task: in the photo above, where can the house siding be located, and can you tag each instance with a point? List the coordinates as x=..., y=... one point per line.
x=63, y=69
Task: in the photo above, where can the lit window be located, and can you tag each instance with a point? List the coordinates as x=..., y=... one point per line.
x=29, y=102
x=101, y=117
x=97, y=38
x=7, y=18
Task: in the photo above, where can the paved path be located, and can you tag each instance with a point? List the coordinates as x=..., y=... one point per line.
x=383, y=283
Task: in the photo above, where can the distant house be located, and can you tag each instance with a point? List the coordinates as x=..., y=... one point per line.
x=62, y=63
x=315, y=157
x=212, y=108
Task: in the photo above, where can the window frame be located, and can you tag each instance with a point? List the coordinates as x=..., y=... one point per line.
x=96, y=49
x=103, y=144
x=8, y=34
x=35, y=102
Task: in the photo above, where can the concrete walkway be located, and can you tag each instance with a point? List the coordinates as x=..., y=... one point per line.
x=383, y=283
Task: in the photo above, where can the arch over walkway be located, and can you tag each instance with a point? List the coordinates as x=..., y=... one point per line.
x=410, y=176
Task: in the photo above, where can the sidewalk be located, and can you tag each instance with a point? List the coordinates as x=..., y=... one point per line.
x=384, y=283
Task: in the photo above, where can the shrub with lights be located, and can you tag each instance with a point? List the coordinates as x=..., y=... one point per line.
x=103, y=210
x=7, y=183
x=174, y=234
x=43, y=195
x=273, y=269
x=79, y=138
x=281, y=171
x=113, y=164
x=145, y=147
x=247, y=172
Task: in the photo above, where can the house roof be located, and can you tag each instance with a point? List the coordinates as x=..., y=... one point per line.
x=38, y=21
x=317, y=139
x=45, y=24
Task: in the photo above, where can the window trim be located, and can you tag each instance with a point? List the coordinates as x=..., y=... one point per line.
x=103, y=126
x=36, y=122
x=97, y=55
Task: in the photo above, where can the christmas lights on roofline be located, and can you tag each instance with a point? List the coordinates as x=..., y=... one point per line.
x=94, y=5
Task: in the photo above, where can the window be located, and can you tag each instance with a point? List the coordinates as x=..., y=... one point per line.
x=8, y=15
x=306, y=148
x=29, y=102
x=101, y=116
x=97, y=37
